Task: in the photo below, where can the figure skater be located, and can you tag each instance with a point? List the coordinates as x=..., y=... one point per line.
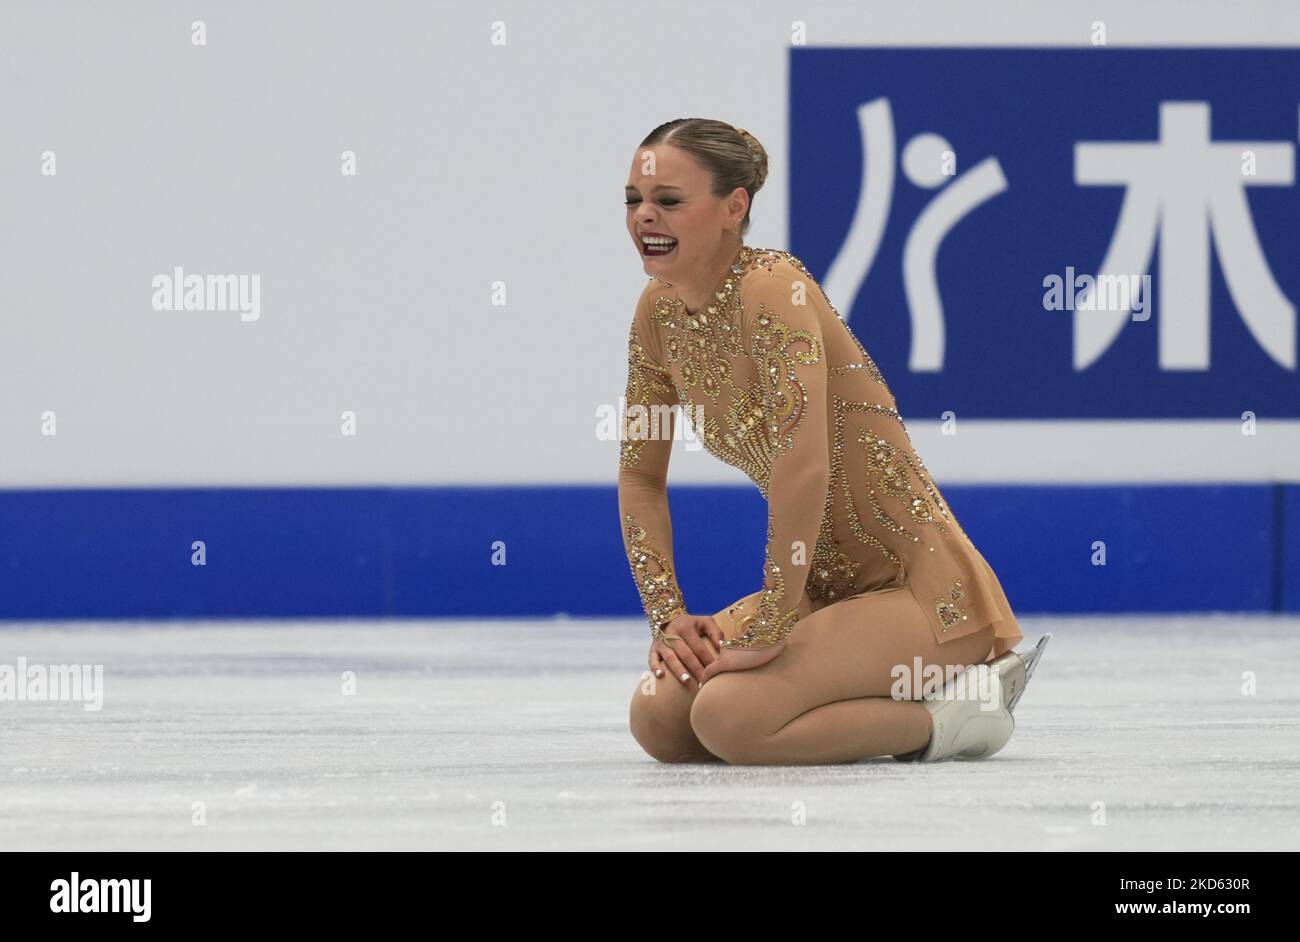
x=879, y=630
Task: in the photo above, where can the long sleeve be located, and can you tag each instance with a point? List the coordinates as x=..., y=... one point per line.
x=646, y=445
x=785, y=343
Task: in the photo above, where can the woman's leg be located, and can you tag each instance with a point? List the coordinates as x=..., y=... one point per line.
x=660, y=712
x=827, y=697
x=660, y=718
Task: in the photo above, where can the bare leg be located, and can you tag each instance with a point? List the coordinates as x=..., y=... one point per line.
x=660, y=712
x=660, y=719
x=827, y=697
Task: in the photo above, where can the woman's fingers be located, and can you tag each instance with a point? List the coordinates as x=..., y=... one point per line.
x=675, y=667
x=690, y=644
x=741, y=659
x=689, y=659
x=709, y=627
x=664, y=651
x=699, y=646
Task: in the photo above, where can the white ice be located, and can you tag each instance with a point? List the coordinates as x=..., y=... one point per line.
x=1136, y=733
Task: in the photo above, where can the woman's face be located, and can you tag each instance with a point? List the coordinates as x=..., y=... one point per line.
x=669, y=196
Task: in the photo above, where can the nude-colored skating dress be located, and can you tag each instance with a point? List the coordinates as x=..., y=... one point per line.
x=790, y=397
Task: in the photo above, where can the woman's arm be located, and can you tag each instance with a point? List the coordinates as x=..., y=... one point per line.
x=785, y=342
x=647, y=437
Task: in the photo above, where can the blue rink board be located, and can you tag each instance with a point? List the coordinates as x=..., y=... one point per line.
x=366, y=552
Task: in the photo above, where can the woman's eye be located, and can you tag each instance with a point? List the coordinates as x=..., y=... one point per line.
x=630, y=202
x=669, y=202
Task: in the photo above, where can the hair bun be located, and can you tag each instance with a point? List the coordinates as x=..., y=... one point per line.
x=759, y=156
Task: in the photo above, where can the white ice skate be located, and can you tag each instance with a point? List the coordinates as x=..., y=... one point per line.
x=969, y=719
x=962, y=727
x=1015, y=669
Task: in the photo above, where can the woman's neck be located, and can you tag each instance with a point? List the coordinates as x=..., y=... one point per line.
x=700, y=295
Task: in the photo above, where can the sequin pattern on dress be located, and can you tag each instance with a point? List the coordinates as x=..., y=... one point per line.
x=654, y=578
x=647, y=384
x=784, y=397
x=735, y=368
x=949, y=612
x=771, y=625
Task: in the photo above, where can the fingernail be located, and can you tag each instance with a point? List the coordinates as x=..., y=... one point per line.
x=685, y=677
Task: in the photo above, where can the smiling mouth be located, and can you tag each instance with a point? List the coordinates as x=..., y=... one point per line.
x=657, y=246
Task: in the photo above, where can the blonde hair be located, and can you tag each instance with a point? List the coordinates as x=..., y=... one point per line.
x=733, y=156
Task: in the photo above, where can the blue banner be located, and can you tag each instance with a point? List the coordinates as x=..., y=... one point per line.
x=1057, y=233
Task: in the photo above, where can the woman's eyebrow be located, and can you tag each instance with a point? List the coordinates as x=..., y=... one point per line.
x=658, y=186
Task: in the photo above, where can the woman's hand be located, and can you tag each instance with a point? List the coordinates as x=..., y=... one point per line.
x=690, y=644
x=742, y=659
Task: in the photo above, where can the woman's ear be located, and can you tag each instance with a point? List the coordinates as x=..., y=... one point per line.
x=738, y=204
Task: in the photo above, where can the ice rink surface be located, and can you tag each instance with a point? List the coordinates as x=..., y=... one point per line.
x=514, y=735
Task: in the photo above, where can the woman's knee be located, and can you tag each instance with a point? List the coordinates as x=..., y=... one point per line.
x=659, y=718
x=733, y=734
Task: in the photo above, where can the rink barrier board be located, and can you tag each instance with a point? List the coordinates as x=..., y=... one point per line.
x=429, y=552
